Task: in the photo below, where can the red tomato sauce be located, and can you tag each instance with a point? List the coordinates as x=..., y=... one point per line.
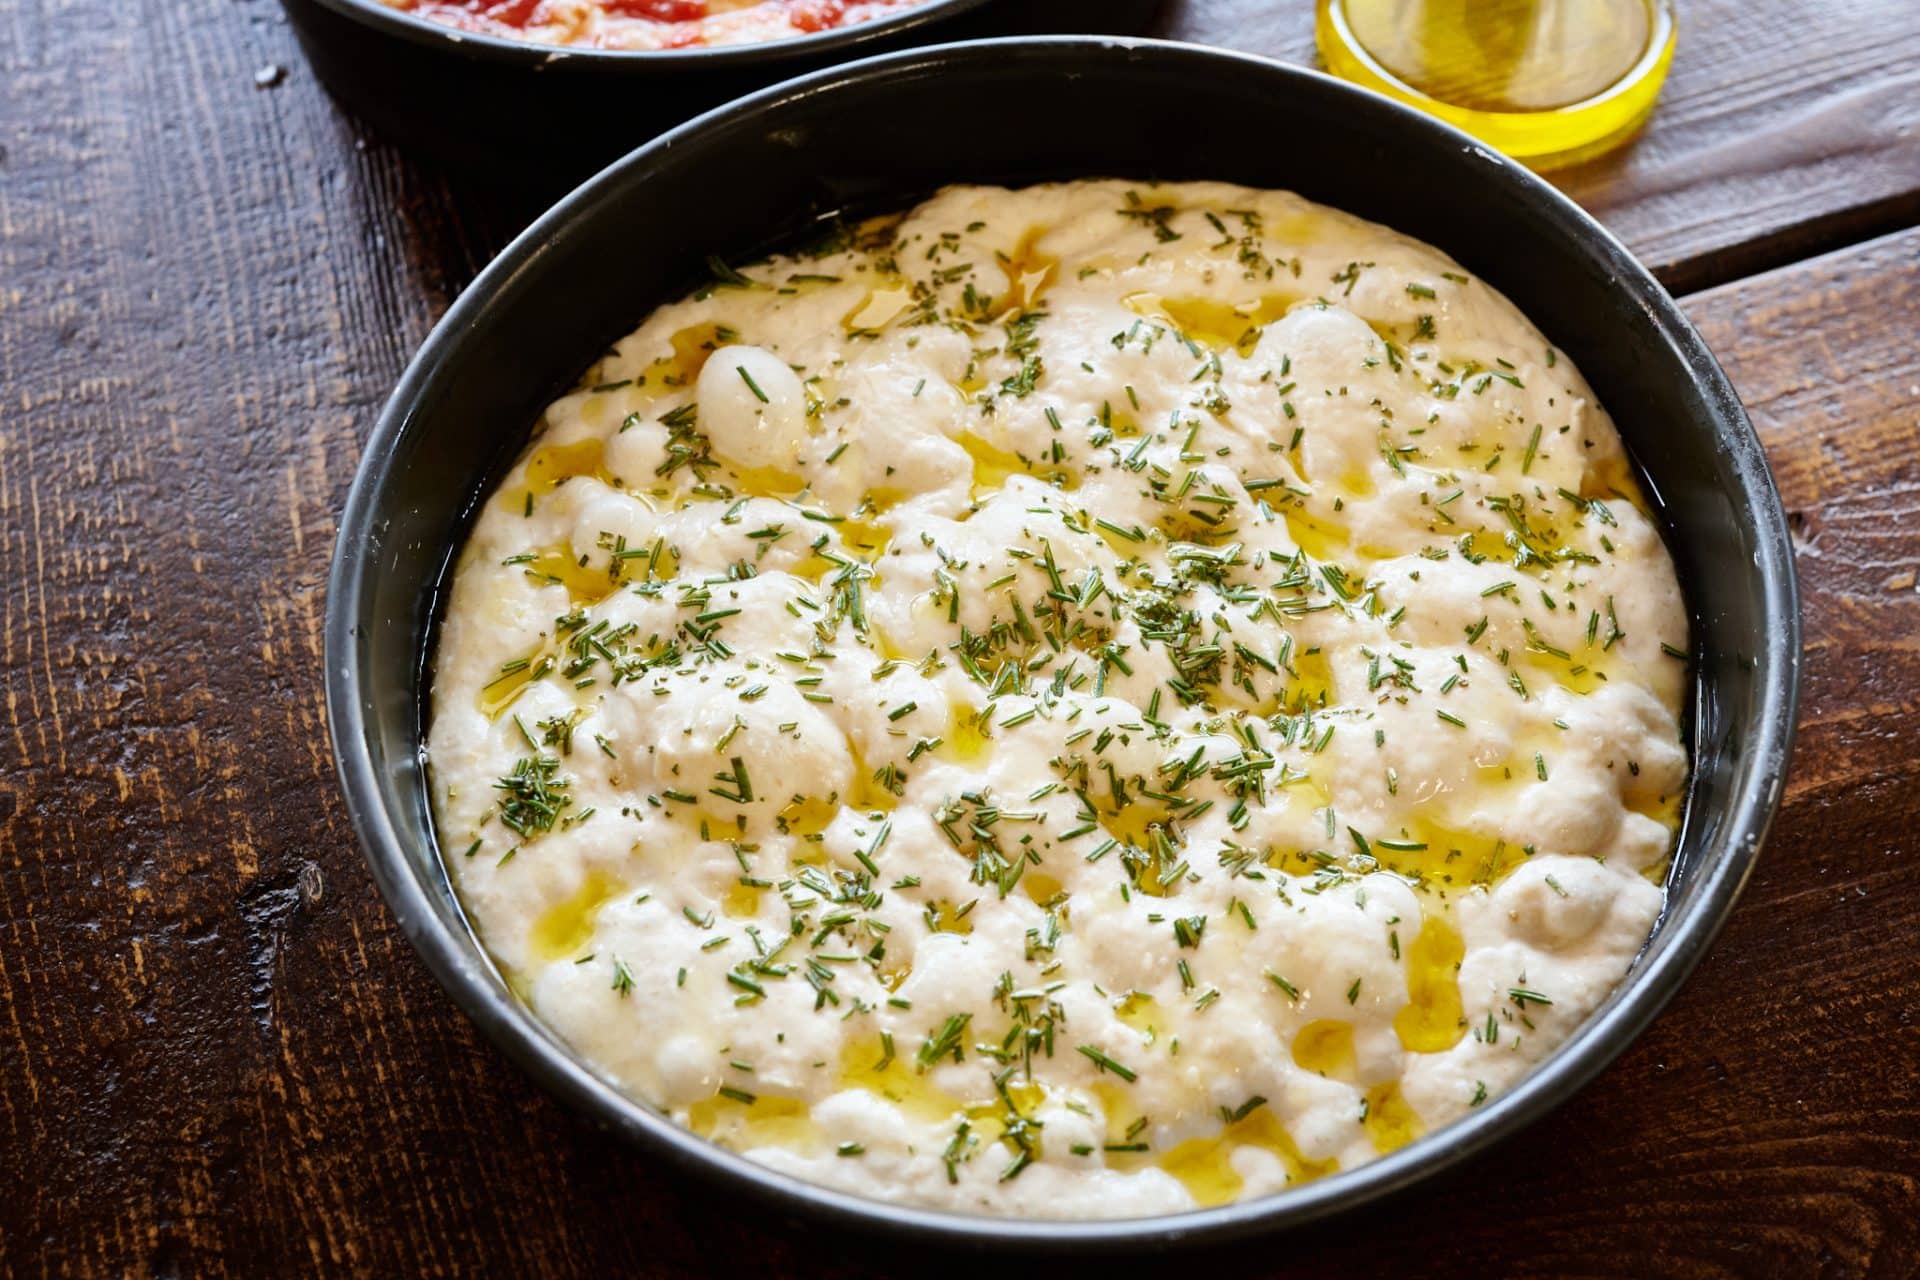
x=647, y=24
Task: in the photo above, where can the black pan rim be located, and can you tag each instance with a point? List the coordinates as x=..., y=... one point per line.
x=535, y=56
x=1680, y=942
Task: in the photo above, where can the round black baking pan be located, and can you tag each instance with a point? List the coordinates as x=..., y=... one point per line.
x=879, y=135
x=515, y=111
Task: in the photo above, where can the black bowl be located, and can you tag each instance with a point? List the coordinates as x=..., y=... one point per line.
x=518, y=110
x=879, y=135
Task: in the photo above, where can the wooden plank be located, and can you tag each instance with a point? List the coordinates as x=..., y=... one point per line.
x=1784, y=127
x=217, y=1054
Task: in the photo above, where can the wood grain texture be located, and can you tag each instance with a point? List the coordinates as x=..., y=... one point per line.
x=1785, y=126
x=217, y=1054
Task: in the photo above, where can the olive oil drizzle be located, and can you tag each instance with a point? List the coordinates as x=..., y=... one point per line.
x=810, y=911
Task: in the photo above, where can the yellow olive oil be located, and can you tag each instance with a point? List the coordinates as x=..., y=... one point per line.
x=1548, y=82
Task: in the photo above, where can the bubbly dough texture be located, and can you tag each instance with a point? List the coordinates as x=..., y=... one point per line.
x=1077, y=702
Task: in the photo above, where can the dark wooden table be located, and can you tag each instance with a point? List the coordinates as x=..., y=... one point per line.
x=217, y=1054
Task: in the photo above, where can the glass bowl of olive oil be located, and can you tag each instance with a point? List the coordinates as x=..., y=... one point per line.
x=1548, y=82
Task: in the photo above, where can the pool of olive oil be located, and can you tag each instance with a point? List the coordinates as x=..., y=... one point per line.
x=1548, y=82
